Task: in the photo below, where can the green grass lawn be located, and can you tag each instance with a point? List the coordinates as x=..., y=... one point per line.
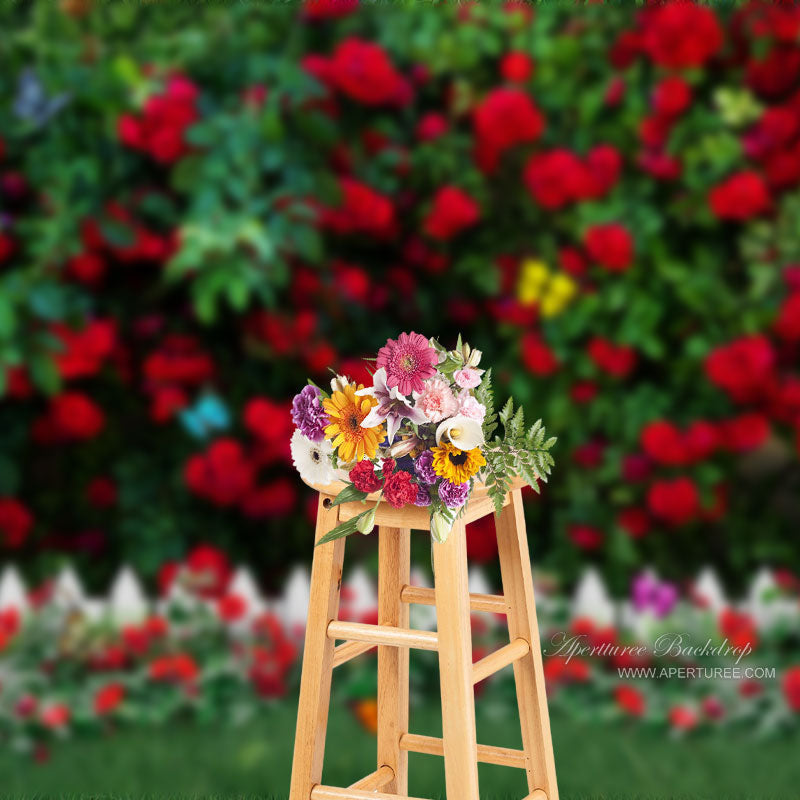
x=255, y=760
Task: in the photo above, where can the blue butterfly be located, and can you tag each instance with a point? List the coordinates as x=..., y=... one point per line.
x=208, y=414
x=32, y=104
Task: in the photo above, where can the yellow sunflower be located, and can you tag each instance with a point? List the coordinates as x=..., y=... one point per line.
x=457, y=466
x=346, y=412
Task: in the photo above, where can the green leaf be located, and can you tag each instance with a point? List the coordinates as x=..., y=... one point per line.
x=348, y=495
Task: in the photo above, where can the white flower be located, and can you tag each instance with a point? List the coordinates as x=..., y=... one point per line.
x=392, y=406
x=463, y=432
x=312, y=459
x=339, y=383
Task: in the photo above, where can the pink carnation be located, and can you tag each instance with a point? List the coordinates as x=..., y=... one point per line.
x=437, y=400
x=467, y=378
x=469, y=407
x=408, y=360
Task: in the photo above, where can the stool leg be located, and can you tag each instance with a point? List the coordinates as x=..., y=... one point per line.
x=515, y=566
x=315, y=683
x=455, y=666
x=394, y=564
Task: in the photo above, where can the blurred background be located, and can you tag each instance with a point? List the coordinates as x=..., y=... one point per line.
x=201, y=206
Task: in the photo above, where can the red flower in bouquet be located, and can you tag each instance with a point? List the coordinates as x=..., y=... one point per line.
x=675, y=502
x=790, y=684
x=399, y=489
x=452, y=211
x=363, y=72
x=610, y=246
x=740, y=197
x=681, y=35
x=630, y=700
x=503, y=119
x=364, y=477
x=15, y=522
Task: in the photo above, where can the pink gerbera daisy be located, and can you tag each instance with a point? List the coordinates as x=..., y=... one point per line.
x=408, y=360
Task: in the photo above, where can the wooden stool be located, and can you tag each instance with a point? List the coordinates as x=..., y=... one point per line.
x=453, y=642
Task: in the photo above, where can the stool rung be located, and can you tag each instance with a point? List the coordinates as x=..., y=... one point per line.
x=493, y=603
x=375, y=780
x=348, y=651
x=488, y=754
x=506, y=655
x=320, y=792
x=383, y=634
x=536, y=794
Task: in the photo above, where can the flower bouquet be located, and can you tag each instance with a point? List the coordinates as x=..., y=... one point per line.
x=424, y=433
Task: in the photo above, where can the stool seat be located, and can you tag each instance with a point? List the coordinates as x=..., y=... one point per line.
x=393, y=638
x=414, y=517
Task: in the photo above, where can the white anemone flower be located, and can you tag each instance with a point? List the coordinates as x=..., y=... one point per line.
x=312, y=459
x=392, y=407
x=463, y=432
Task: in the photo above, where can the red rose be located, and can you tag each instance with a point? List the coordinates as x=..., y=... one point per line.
x=537, y=356
x=55, y=716
x=362, y=210
x=583, y=391
x=634, y=521
x=671, y=97
x=701, y=440
x=585, y=537
x=604, y=164
x=674, y=502
x=516, y=67
x=557, y=178
x=399, y=490
x=481, y=540
x=88, y=268
x=572, y=261
x=101, y=492
x=614, y=360
x=630, y=700
x=73, y=417
x=682, y=718
x=663, y=443
x=745, y=432
x=222, y=475
x=177, y=668
x=610, y=246
x=775, y=74
x=107, y=699
x=740, y=197
x=738, y=628
x=83, y=351
x=453, y=211
x=431, y=126
x=787, y=325
x=268, y=420
x=589, y=455
x=744, y=368
x=276, y=499
x=209, y=571
x=790, y=683
x=362, y=71
x=231, y=607
x=681, y=35
x=364, y=477
x=328, y=9
x=15, y=522
x=503, y=119
x=660, y=165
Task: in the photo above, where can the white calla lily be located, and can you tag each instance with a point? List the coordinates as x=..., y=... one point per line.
x=463, y=432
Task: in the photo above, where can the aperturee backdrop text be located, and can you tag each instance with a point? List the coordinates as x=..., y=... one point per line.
x=422, y=434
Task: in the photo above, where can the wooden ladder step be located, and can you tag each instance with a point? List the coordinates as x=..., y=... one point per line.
x=375, y=780
x=320, y=792
x=349, y=650
x=383, y=634
x=506, y=655
x=488, y=754
x=493, y=603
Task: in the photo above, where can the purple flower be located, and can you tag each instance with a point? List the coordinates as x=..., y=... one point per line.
x=648, y=592
x=423, y=466
x=423, y=496
x=454, y=495
x=308, y=414
x=392, y=407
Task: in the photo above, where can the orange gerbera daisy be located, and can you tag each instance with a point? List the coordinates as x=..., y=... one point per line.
x=346, y=412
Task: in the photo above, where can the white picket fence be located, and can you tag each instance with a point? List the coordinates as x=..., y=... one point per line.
x=127, y=601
